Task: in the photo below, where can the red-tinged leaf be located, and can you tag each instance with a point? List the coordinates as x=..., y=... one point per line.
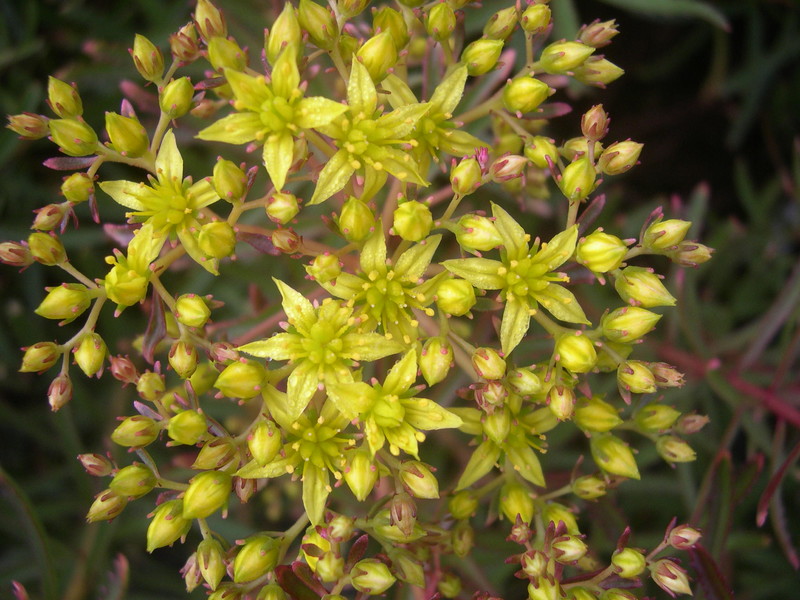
x=19, y=591
x=207, y=84
x=292, y=585
x=590, y=214
x=772, y=486
x=126, y=109
x=260, y=242
x=69, y=163
x=748, y=477
x=145, y=410
x=156, y=329
x=357, y=551
x=306, y=575
x=709, y=575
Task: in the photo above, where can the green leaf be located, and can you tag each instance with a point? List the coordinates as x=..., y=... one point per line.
x=316, y=112
x=351, y=399
x=516, y=320
x=397, y=124
x=514, y=237
x=480, y=272
x=169, y=163
x=398, y=92
x=526, y=463
x=315, y=491
x=558, y=250
x=562, y=304
x=448, y=93
x=301, y=387
x=373, y=254
x=369, y=346
x=125, y=193
x=413, y=263
x=253, y=470
x=402, y=375
x=480, y=463
x=398, y=163
x=237, y=128
x=297, y=307
x=280, y=346
x=361, y=93
x=675, y=8
x=427, y=415
x=333, y=177
x=278, y=157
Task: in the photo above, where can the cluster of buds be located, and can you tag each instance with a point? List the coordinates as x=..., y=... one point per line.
x=408, y=287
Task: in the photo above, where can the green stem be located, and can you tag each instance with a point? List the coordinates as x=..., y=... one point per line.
x=548, y=324
x=290, y=535
x=66, y=266
x=324, y=146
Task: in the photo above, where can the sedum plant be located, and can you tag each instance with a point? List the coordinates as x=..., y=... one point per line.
x=419, y=353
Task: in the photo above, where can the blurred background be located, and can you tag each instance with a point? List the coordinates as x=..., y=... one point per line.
x=713, y=91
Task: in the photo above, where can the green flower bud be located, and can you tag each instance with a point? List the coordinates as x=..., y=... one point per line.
x=203, y=378
x=264, y=442
x=455, y=297
x=463, y=538
x=125, y=286
x=135, y=432
x=656, y=417
x=534, y=563
x=629, y=563
x=598, y=34
x=629, y=323
x=66, y=302
x=466, y=176
x=524, y=382
x=63, y=99
x=388, y=19
x=507, y=167
x=151, y=386
x=488, y=363
x=441, y=21
x=330, y=567
x=361, y=473
x=356, y=221
x=663, y=235
x=285, y=33
x=133, y=481
x=209, y=20
x=184, y=45
x=412, y=221
x=515, y=499
x=90, y=354
x=635, y=377
x=578, y=179
x=220, y=454
x=576, y=147
x=449, y=585
x=325, y=267
x=167, y=525
x=594, y=414
x=435, y=359
x=371, y=576
x=601, y=252
x=227, y=591
x=106, y=506
x=597, y=71
x=619, y=157
x=319, y=23
x=575, y=352
x=230, y=182
x=183, y=359
x=690, y=254
x=273, y=591
x=556, y=513
x=378, y=54
x=545, y=588
x=286, y=240
x=77, y=188
x=463, y=505
x=525, y=94
x=40, y=357
x=481, y=56
x=642, y=287
x=561, y=401
x=49, y=217
x=175, y=99
x=187, y=427
x=613, y=456
x=74, y=137
x=192, y=310
x=568, y=549
x=497, y=425
x=46, y=248
x=474, y=232
x=15, y=254
x=127, y=135
x=501, y=24
x=562, y=57
x=207, y=493
x=536, y=18
x=683, y=537
x=29, y=126
x=351, y=8
x=674, y=450
x=616, y=594
x=211, y=562
x=419, y=480
x=224, y=53
x=217, y=239
x=282, y=207
x=147, y=58
x=589, y=487
x=670, y=577
x=241, y=379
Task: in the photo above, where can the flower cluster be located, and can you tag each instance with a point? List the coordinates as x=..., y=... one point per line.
x=422, y=301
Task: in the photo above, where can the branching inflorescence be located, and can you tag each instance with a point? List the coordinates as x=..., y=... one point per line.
x=364, y=114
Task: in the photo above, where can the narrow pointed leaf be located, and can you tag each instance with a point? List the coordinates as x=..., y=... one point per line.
x=515, y=323
x=526, y=463
x=413, y=263
x=169, y=163
x=480, y=272
x=351, y=399
x=125, y=193
x=425, y=414
x=480, y=463
x=297, y=307
x=373, y=254
x=558, y=250
x=361, y=93
x=317, y=111
x=278, y=157
x=513, y=235
x=402, y=375
x=237, y=128
x=315, y=491
x=448, y=93
x=333, y=177
x=562, y=304
x=301, y=387
x=277, y=347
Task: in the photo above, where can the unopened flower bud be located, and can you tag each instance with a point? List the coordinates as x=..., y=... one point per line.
x=209, y=20
x=49, y=217
x=360, y=474
x=282, y=207
x=388, y=19
x=619, y=157
x=96, y=465
x=187, y=427
x=455, y=297
x=578, y=179
x=211, y=562
x=501, y=24
x=77, y=188
x=561, y=401
x=241, y=379
x=656, y=417
x=635, y=377
x=435, y=359
x=371, y=576
x=691, y=423
x=66, y=302
x=325, y=267
x=666, y=375
x=639, y=286
x=600, y=252
x=135, y=432
x=524, y=381
x=598, y=34
x=563, y=57
x=403, y=512
x=575, y=352
x=74, y=137
x=147, y=58
x=63, y=99
x=220, y=454
x=183, y=358
x=670, y=577
x=515, y=499
x=628, y=563
x=29, y=126
x=536, y=18
x=497, y=425
x=615, y=594
x=378, y=54
x=352, y=8
x=46, y=248
x=481, y=56
x=284, y=34
x=175, y=100
x=40, y=357
x=463, y=538
x=463, y=505
x=133, y=481
x=192, y=310
x=217, y=239
x=525, y=94
x=589, y=487
x=507, y=167
x=59, y=392
x=207, y=493
x=474, y=232
x=419, y=480
x=150, y=386
x=15, y=254
x=106, y=506
x=90, y=354
x=568, y=549
x=167, y=525
x=319, y=23
x=127, y=135
x=690, y=254
x=356, y=220
x=465, y=177
x=663, y=235
x=594, y=414
x=674, y=450
x=614, y=456
x=556, y=513
x=184, y=45
x=683, y=537
x=488, y=363
x=412, y=221
x=441, y=21
x=224, y=53
x=264, y=442
x=449, y=585
x=594, y=123
x=629, y=323
x=534, y=563
x=597, y=71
